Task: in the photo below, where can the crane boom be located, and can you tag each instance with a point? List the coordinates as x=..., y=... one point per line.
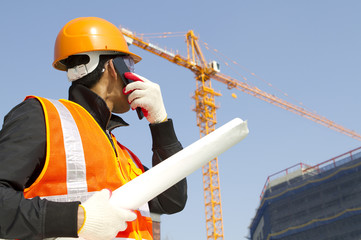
x=254, y=91
x=242, y=86
x=131, y=38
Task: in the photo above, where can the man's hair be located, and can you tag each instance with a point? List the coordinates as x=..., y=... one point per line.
x=92, y=78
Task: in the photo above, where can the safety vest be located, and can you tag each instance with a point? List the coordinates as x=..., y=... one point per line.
x=80, y=160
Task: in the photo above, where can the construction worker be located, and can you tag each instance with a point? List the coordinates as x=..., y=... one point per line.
x=59, y=160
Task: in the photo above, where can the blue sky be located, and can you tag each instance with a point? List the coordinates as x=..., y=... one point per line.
x=310, y=50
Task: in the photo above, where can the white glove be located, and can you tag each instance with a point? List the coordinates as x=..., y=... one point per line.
x=146, y=95
x=102, y=220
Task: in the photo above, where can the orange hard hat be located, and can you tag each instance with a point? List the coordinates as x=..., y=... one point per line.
x=89, y=34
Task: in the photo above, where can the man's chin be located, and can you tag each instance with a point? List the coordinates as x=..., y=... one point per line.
x=120, y=111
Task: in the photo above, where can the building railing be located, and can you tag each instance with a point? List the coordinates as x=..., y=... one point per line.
x=321, y=167
x=282, y=173
x=334, y=162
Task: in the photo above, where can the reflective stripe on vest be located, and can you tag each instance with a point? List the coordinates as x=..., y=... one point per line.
x=75, y=162
x=81, y=160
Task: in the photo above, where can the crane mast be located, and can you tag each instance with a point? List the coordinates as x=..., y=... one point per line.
x=205, y=109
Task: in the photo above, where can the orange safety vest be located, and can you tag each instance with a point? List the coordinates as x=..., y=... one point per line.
x=81, y=160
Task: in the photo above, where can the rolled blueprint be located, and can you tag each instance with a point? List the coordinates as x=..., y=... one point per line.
x=159, y=178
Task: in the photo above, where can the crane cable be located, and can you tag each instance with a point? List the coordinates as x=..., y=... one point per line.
x=162, y=35
x=226, y=59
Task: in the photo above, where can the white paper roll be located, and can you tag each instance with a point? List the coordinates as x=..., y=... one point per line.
x=159, y=178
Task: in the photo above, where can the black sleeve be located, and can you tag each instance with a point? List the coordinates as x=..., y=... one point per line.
x=22, y=157
x=165, y=144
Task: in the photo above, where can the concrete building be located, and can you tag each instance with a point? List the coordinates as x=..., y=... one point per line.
x=308, y=203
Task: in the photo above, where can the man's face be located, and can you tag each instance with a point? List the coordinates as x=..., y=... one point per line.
x=121, y=104
x=121, y=65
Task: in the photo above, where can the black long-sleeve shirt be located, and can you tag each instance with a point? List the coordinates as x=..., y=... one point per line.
x=22, y=157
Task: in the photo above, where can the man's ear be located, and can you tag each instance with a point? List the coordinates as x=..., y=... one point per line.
x=111, y=69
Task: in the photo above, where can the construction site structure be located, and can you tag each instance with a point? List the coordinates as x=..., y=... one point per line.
x=205, y=108
x=312, y=202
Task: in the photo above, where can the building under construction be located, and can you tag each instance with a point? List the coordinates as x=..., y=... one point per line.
x=307, y=203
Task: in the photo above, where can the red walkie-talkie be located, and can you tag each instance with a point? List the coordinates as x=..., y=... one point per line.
x=121, y=68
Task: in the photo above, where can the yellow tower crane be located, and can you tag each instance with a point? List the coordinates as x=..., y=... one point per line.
x=205, y=109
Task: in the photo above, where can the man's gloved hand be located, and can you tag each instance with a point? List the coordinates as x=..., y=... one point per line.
x=146, y=95
x=102, y=220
